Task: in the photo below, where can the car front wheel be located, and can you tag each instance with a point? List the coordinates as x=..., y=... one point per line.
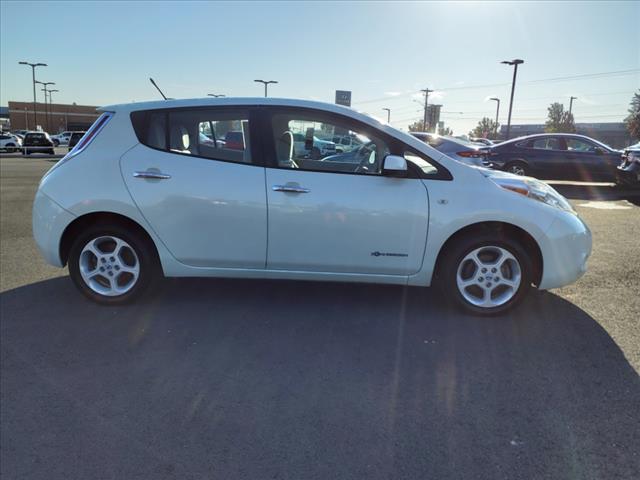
x=111, y=265
x=486, y=275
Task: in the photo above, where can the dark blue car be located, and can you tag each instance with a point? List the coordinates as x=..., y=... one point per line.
x=556, y=156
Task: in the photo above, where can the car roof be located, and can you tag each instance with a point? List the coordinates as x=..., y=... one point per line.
x=225, y=101
x=245, y=102
x=538, y=135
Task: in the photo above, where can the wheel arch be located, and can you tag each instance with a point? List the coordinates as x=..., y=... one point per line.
x=508, y=230
x=98, y=218
x=513, y=160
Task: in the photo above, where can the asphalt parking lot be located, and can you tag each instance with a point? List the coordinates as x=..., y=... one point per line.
x=243, y=379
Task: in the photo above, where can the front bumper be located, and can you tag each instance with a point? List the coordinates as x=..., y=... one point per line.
x=49, y=221
x=629, y=175
x=565, y=251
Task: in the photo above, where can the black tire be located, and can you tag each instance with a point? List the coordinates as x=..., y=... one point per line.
x=448, y=270
x=144, y=249
x=517, y=168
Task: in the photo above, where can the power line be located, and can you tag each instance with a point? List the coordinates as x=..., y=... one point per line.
x=585, y=76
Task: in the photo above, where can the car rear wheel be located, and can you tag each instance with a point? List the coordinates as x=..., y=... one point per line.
x=111, y=265
x=486, y=275
x=517, y=168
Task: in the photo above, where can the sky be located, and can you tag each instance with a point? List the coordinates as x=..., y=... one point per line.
x=101, y=53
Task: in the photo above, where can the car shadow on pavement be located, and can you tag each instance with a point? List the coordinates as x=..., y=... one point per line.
x=281, y=379
x=598, y=192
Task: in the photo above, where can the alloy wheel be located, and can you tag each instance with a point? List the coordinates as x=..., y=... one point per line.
x=109, y=266
x=488, y=276
x=517, y=170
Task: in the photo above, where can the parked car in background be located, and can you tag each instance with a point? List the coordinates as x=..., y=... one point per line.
x=74, y=139
x=357, y=156
x=347, y=143
x=463, y=151
x=20, y=133
x=62, y=138
x=234, y=140
x=10, y=142
x=134, y=201
x=558, y=156
x=37, y=142
x=318, y=149
x=628, y=172
x=483, y=141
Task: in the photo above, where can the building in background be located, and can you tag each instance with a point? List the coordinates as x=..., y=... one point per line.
x=52, y=118
x=613, y=134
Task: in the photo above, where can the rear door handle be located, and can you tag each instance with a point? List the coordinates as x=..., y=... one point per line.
x=152, y=175
x=290, y=189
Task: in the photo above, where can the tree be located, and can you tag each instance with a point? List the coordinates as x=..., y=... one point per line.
x=559, y=121
x=417, y=126
x=486, y=128
x=446, y=131
x=633, y=120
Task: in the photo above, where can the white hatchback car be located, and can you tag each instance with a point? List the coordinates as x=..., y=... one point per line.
x=140, y=196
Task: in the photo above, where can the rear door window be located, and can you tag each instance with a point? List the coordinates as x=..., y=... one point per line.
x=216, y=134
x=546, y=143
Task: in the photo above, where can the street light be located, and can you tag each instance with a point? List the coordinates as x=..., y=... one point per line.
x=216, y=95
x=571, y=99
x=33, y=75
x=46, y=110
x=388, y=114
x=266, y=82
x=495, y=99
x=515, y=64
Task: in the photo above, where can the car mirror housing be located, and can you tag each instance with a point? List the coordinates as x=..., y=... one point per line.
x=394, y=166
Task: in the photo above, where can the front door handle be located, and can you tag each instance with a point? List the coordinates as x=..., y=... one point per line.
x=290, y=189
x=152, y=175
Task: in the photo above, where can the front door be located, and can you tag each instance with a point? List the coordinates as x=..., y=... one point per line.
x=338, y=213
x=590, y=161
x=205, y=201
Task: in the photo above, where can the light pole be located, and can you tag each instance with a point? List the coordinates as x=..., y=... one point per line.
x=51, y=102
x=497, y=112
x=388, y=114
x=33, y=75
x=215, y=95
x=571, y=99
x=515, y=64
x=46, y=110
x=266, y=82
x=426, y=101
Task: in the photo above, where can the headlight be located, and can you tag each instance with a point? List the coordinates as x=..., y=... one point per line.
x=535, y=189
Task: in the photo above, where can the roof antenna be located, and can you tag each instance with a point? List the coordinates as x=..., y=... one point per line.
x=154, y=84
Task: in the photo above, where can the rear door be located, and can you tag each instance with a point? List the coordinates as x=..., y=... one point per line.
x=547, y=156
x=206, y=202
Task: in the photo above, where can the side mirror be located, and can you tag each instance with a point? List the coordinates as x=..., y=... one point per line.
x=394, y=166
